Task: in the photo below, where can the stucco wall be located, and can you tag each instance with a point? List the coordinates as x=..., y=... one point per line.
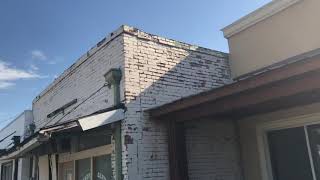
x=281, y=36
x=212, y=150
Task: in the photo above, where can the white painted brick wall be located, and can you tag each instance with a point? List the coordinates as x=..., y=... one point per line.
x=212, y=150
x=158, y=71
x=155, y=71
x=79, y=82
x=17, y=127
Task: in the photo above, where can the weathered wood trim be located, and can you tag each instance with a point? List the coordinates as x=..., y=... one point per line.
x=294, y=70
x=99, y=151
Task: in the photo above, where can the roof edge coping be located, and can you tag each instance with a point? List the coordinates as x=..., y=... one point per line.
x=266, y=11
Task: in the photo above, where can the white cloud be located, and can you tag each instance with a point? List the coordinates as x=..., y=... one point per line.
x=38, y=55
x=10, y=74
x=34, y=67
x=5, y=85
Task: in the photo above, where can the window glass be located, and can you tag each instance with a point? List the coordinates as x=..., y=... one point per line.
x=66, y=171
x=6, y=171
x=102, y=167
x=314, y=141
x=83, y=169
x=289, y=154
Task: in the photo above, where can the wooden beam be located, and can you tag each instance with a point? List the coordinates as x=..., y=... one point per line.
x=279, y=94
x=280, y=74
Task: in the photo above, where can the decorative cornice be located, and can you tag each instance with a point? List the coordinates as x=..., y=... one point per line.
x=258, y=15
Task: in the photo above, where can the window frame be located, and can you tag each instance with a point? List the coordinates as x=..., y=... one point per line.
x=6, y=163
x=89, y=153
x=263, y=147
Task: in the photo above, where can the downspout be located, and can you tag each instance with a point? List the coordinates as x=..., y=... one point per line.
x=113, y=78
x=50, y=167
x=16, y=142
x=16, y=167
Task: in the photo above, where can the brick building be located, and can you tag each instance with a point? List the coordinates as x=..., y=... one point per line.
x=12, y=135
x=113, y=84
x=139, y=106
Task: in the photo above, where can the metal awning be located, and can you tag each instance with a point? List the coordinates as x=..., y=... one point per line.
x=92, y=121
x=98, y=120
x=25, y=147
x=87, y=122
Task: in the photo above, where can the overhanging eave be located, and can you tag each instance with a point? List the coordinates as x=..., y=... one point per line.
x=291, y=85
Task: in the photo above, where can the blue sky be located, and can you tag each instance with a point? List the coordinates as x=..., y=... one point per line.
x=41, y=38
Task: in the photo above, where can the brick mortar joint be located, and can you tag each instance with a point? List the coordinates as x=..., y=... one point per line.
x=69, y=71
x=124, y=29
x=168, y=42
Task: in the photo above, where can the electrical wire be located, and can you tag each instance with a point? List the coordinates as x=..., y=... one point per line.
x=76, y=106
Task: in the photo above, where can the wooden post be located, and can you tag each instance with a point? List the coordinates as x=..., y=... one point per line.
x=118, y=150
x=16, y=167
x=177, y=151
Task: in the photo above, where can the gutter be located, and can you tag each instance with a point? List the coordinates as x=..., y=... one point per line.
x=113, y=78
x=94, y=120
x=26, y=146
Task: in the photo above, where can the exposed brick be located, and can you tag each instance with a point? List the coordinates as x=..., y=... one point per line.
x=155, y=70
x=162, y=70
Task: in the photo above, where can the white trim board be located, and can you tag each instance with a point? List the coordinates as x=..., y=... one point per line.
x=258, y=15
x=98, y=151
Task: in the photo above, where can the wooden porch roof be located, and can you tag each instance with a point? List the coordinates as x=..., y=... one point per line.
x=287, y=85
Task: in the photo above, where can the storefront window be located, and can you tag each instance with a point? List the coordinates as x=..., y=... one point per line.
x=92, y=164
x=66, y=171
x=83, y=169
x=314, y=138
x=6, y=171
x=102, y=167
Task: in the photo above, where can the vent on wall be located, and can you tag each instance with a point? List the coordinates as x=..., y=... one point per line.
x=61, y=109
